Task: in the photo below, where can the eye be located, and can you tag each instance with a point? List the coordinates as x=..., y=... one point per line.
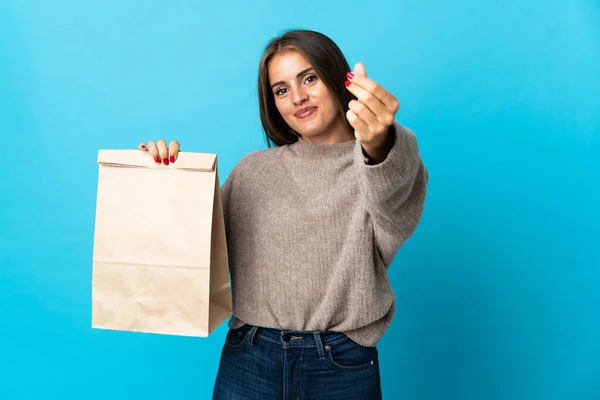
x=311, y=78
x=279, y=91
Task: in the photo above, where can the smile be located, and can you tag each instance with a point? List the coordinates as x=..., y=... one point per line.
x=305, y=112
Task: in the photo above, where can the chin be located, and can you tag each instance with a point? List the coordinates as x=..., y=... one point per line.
x=312, y=130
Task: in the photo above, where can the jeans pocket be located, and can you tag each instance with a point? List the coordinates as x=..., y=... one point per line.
x=236, y=339
x=350, y=356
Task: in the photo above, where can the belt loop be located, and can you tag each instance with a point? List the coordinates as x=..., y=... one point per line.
x=251, y=335
x=319, y=345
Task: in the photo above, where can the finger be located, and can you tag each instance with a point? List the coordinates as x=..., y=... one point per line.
x=359, y=68
x=163, y=152
x=372, y=102
x=142, y=147
x=360, y=127
x=385, y=97
x=153, y=151
x=173, y=150
x=365, y=114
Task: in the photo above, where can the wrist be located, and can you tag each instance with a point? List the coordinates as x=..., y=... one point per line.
x=377, y=152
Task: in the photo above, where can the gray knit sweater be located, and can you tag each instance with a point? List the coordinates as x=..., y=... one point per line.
x=312, y=230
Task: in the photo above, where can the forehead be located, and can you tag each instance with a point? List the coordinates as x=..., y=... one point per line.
x=284, y=66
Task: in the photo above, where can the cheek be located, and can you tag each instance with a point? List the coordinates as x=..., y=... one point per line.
x=327, y=100
x=283, y=107
x=332, y=107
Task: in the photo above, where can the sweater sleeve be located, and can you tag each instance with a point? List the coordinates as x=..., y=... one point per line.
x=230, y=190
x=393, y=192
x=226, y=200
x=225, y=197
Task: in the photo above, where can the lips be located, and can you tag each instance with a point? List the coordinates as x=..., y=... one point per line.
x=305, y=112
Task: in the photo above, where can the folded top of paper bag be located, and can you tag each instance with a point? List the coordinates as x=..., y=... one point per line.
x=141, y=159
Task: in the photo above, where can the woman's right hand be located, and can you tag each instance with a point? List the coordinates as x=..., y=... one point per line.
x=159, y=151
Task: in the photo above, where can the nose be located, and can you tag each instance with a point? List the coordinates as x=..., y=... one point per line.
x=300, y=97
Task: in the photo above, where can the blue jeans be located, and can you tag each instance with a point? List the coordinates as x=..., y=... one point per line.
x=263, y=364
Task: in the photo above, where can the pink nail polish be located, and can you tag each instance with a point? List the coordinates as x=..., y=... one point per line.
x=347, y=83
x=166, y=161
x=350, y=75
x=172, y=159
x=157, y=159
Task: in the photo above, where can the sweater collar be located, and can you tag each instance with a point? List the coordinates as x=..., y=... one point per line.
x=322, y=150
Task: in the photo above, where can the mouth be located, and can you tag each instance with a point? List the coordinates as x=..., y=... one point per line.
x=305, y=112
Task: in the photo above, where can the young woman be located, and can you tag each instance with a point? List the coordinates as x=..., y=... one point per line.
x=312, y=225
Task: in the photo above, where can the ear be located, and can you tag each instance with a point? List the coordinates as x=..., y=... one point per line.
x=359, y=68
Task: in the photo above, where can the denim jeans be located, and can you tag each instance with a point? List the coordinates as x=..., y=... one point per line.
x=267, y=364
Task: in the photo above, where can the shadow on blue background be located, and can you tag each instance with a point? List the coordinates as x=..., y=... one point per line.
x=498, y=291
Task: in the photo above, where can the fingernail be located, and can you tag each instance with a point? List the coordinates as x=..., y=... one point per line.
x=172, y=158
x=350, y=75
x=157, y=159
x=347, y=83
x=166, y=161
x=143, y=147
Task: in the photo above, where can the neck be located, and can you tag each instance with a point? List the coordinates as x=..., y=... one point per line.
x=336, y=133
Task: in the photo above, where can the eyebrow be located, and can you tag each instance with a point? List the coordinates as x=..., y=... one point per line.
x=297, y=76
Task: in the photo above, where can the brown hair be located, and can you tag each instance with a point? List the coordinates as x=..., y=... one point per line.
x=330, y=66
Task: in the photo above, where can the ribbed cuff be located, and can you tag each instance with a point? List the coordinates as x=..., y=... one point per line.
x=381, y=181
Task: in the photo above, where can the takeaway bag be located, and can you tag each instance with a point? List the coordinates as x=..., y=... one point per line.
x=160, y=260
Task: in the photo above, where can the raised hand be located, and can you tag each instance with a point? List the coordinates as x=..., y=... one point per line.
x=372, y=114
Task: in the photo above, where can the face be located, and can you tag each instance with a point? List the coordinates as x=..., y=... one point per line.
x=303, y=100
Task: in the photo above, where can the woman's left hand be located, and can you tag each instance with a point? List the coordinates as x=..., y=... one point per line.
x=373, y=114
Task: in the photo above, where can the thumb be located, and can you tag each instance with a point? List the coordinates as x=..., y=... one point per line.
x=359, y=68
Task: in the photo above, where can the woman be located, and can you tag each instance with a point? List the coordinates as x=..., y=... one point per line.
x=312, y=226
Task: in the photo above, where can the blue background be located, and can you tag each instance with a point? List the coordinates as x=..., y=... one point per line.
x=498, y=291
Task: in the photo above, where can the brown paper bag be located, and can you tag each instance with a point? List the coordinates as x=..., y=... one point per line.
x=160, y=257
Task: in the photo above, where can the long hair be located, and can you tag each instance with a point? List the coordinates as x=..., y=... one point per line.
x=330, y=66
